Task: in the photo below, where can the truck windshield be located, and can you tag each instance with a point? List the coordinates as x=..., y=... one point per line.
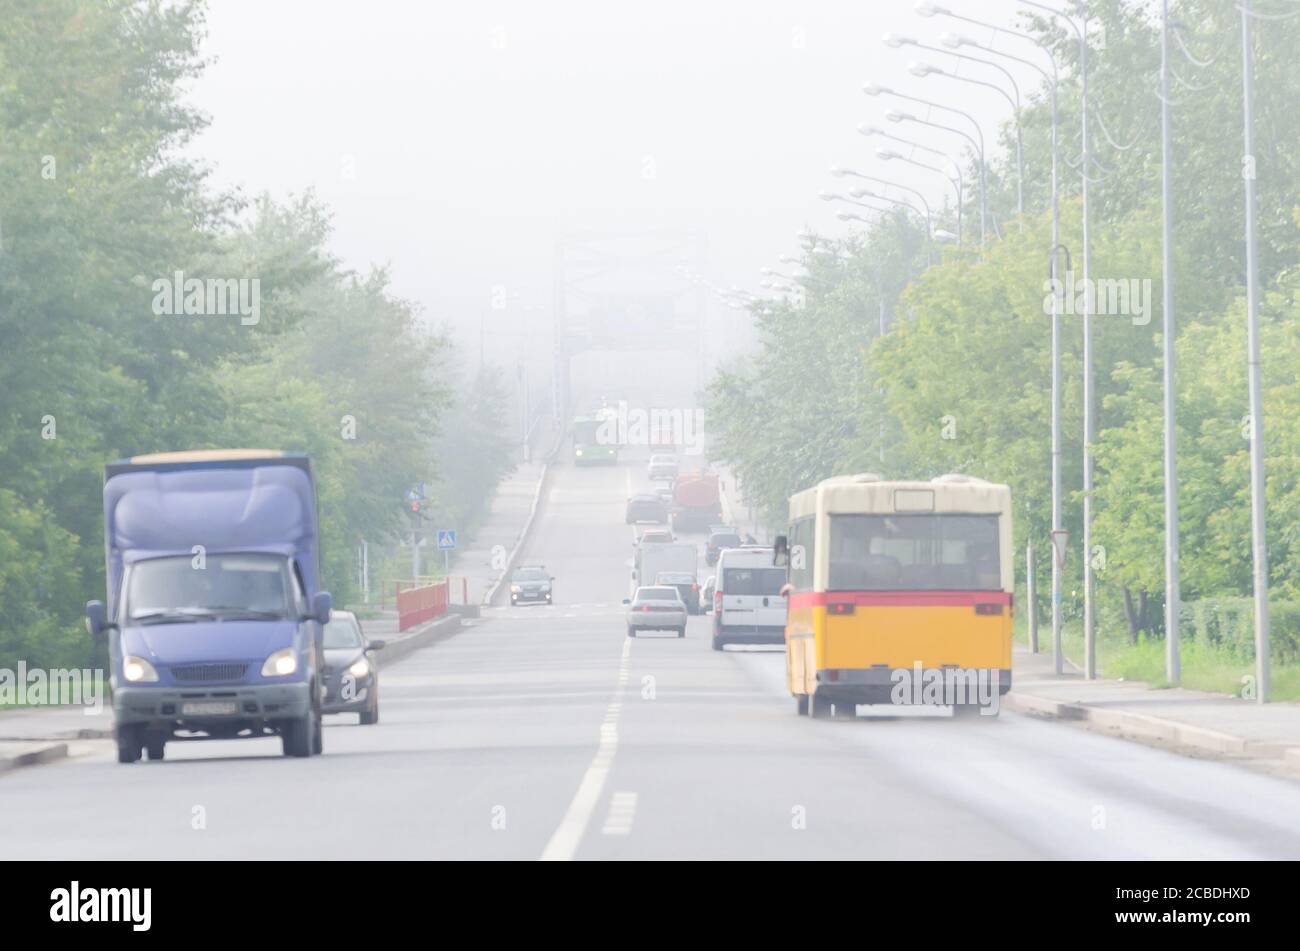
x=163, y=590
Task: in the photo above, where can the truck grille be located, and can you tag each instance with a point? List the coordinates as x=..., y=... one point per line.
x=206, y=673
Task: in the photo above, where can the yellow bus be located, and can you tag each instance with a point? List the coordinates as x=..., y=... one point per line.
x=899, y=592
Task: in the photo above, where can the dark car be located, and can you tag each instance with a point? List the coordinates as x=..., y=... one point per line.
x=531, y=583
x=351, y=676
x=646, y=508
x=686, y=586
x=718, y=540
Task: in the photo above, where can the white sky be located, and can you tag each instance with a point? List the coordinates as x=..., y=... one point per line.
x=479, y=132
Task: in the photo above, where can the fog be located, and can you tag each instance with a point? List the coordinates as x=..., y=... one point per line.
x=458, y=142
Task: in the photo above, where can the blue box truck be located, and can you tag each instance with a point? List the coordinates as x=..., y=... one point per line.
x=214, y=619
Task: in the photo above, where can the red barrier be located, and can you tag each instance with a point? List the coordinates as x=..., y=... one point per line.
x=417, y=605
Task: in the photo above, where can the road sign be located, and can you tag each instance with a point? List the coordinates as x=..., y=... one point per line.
x=446, y=538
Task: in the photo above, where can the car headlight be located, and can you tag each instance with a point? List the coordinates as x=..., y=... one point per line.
x=360, y=667
x=137, y=670
x=281, y=664
x=578, y=452
x=515, y=589
x=546, y=587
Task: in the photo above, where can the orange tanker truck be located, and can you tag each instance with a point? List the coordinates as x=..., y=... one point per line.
x=696, y=502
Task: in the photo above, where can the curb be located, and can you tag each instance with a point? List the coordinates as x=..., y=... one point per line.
x=1138, y=726
x=542, y=484
x=429, y=633
x=1291, y=760
x=45, y=754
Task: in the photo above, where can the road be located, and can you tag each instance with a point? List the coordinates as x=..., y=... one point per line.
x=546, y=732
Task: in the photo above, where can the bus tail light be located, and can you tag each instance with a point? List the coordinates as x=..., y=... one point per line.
x=988, y=609
x=840, y=607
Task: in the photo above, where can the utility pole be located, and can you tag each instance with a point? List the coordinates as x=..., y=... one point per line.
x=1173, y=661
x=1259, y=547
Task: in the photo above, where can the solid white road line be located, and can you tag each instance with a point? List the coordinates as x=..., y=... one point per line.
x=568, y=836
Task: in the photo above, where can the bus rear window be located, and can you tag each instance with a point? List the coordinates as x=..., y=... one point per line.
x=914, y=553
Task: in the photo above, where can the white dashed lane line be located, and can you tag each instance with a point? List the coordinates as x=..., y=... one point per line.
x=622, y=810
x=568, y=836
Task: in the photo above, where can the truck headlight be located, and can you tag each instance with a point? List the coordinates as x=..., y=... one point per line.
x=360, y=667
x=281, y=664
x=137, y=670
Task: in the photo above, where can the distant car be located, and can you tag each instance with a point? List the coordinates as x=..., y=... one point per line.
x=646, y=508
x=706, y=595
x=531, y=583
x=351, y=676
x=718, y=540
x=665, y=494
x=686, y=586
x=656, y=608
x=662, y=466
x=656, y=536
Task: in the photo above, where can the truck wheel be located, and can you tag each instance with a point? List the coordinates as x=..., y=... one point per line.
x=717, y=643
x=296, y=735
x=317, y=733
x=801, y=704
x=156, y=746
x=130, y=742
x=681, y=632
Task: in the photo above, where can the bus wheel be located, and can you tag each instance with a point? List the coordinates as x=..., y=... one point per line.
x=818, y=707
x=801, y=704
x=846, y=711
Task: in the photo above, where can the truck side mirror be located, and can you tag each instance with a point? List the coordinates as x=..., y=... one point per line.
x=780, y=551
x=321, y=605
x=96, y=619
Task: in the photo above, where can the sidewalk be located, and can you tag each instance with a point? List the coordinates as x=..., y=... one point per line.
x=484, y=558
x=1207, y=722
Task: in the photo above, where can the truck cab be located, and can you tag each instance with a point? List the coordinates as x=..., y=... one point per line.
x=214, y=617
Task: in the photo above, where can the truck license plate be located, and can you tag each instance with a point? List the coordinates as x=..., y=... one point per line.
x=209, y=708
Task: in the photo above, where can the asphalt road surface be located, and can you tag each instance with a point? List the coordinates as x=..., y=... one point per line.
x=544, y=732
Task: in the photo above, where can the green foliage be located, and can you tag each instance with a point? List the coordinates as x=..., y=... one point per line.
x=961, y=382
x=96, y=204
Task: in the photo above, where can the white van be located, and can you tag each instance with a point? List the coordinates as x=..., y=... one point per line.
x=748, y=607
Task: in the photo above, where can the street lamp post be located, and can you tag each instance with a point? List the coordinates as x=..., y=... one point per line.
x=1089, y=410
x=1173, y=660
x=959, y=179
x=888, y=155
x=1258, y=547
x=928, y=9
x=897, y=40
x=875, y=89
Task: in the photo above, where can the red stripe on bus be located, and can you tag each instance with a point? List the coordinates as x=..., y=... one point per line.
x=910, y=599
